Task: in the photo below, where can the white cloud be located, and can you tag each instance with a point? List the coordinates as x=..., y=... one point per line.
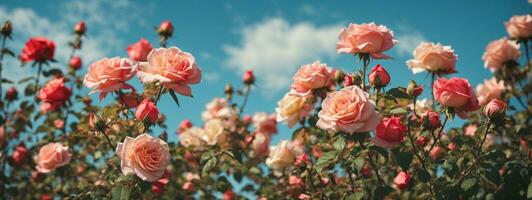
x=409, y=39
x=275, y=49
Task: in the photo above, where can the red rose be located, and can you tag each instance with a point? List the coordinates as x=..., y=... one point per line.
x=54, y=94
x=229, y=195
x=402, y=180
x=379, y=77
x=20, y=154
x=248, y=77
x=38, y=49
x=147, y=109
x=11, y=94
x=389, y=132
x=75, y=62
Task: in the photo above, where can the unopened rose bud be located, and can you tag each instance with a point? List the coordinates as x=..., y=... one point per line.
x=378, y=77
x=20, y=154
x=147, y=110
x=75, y=62
x=422, y=141
x=166, y=29
x=495, y=109
x=188, y=186
x=431, y=120
x=302, y=159
x=402, y=180
x=435, y=153
x=365, y=171
x=7, y=28
x=413, y=89
x=339, y=76
x=59, y=123
x=246, y=120
x=11, y=94
x=80, y=28
x=229, y=195
x=351, y=79
x=248, y=78
x=184, y=125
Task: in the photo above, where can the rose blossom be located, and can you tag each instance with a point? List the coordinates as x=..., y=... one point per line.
x=434, y=58
x=470, y=130
x=109, y=75
x=11, y=93
x=309, y=77
x=261, y=143
x=378, y=76
x=158, y=186
x=390, y=132
x=519, y=26
x=147, y=110
x=228, y=195
x=499, y=52
x=365, y=38
x=53, y=94
x=435, y=153
x=20, y=154
x=144, y=155
x=456, y=93
x=184, y=125
x=173, y=68
x=75, y=62
x=490, y=89
x=215, y=133
x=192, y=137
x=265, y=123
x=291, y=109
x=431, y=120
x=219, y=108
x=59, y=123
x=38, y=49
x=349, y=110
x=495, y=108
x=139, y=51
x=402, y=180
x=52, y=156
x=282, y=155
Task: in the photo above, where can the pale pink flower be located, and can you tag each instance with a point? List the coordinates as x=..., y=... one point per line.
x=292, y=109
x=282, y=155
x=109, y=75
x=146, y=156
x=52, y=156
x=490, y=89
x=365, y=38
x=139, y=51
x=311, y=76
x=499, y=52
x=265, y=123
x=434, y=58
x=519, y=26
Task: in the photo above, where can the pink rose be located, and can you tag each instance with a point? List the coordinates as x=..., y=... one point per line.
x=166, y=28
x=109, y=75
x=434, y=58
x=147, y=110
x=75, y=62
x=80, y=28
x=184, y=125
x=265, y=123
x=295, y=181
x=219, y=108
x=490, y=89
x=470, y=130
x=145, y=156
x=173, y=68
x=431, y=120
x=364, y=38
x=519, y=26
x=38, y=49
x=20, y=154
x=158, y=186
x=248, y=78
x=52, y=156
x=435, y=153
x=495, y=108
x=402, y=180
x=390, y=132
x=59, y=123
x=499, y=52
x=139, y=51
x=456, y=93
x=349, y=110
x=309, y=77
x=54, y=94
x=261, y=143
x=422, y=141
x=229, y=195
x=378, y=77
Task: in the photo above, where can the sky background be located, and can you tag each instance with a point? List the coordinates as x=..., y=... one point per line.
x=273, y=38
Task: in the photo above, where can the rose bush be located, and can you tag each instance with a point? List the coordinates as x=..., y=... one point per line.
x=351, y=138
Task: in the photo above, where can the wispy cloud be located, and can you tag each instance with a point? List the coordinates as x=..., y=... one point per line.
x=409, y=39
x=274, y=49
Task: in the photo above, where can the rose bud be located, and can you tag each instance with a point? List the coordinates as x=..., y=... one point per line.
x=378, y=77
x=147, y=110
x=229, y=195
x=11, y=94
x=46, y=197
x=59, y=124
x=166, y=29
x=365, y=171
x=422, y=141
x=452, y=146
x=316, y=151
x=80, y=28
x=188, y=186
x=247, y=119
x=248, y=78
x=339, y=76
x=413, y=89
x=431, y=120
x=75, y=62
x=294, y=180
x=389, y=132
x=157, y=187
x=402, y=180
x=303, y=196
x=302, y=159
x=495, y=109
x=20, y=154
x=7, y=28
x=435, y=153
x=184, y=125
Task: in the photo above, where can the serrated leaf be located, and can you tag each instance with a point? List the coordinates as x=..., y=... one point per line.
x=404, y=159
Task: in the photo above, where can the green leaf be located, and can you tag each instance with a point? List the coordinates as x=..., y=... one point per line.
x=386, y=189
x=174, y=97
x=339, y=144
x=356, y=196
x=404, y=159
x=209, y=165
x=4, y=80
x=423, y=175
x=529, y=191
x=398, y=92
x=468, y=183
x=358, y=164
x=398, y=111
x=325, y=160
x=383, y=152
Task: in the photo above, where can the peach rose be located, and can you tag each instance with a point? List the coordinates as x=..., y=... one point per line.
x=219, y=108
x=261, y=143
x=265, y=123
x=139, y=51
x=52, y=156
x=309, y=77
x=292, y=109
x=349, y=110
x=215, y=133
x=145, y=155
x=282, y=155
x=456, y=93
x=499, y=52
x=54, y=94
x=173, y=68
x=519, y=26
x=109, y=75
x=434, y=58
x=192, y=137
x=364, y=38
x=490, y=89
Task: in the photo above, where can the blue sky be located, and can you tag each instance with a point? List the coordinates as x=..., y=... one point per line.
x=273, y=38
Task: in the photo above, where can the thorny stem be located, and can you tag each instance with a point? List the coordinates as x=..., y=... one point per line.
x=1, y=63
x=374, y=166
x=246, y=94
x=38, y=76
x=439, y=134
x=477, y=155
